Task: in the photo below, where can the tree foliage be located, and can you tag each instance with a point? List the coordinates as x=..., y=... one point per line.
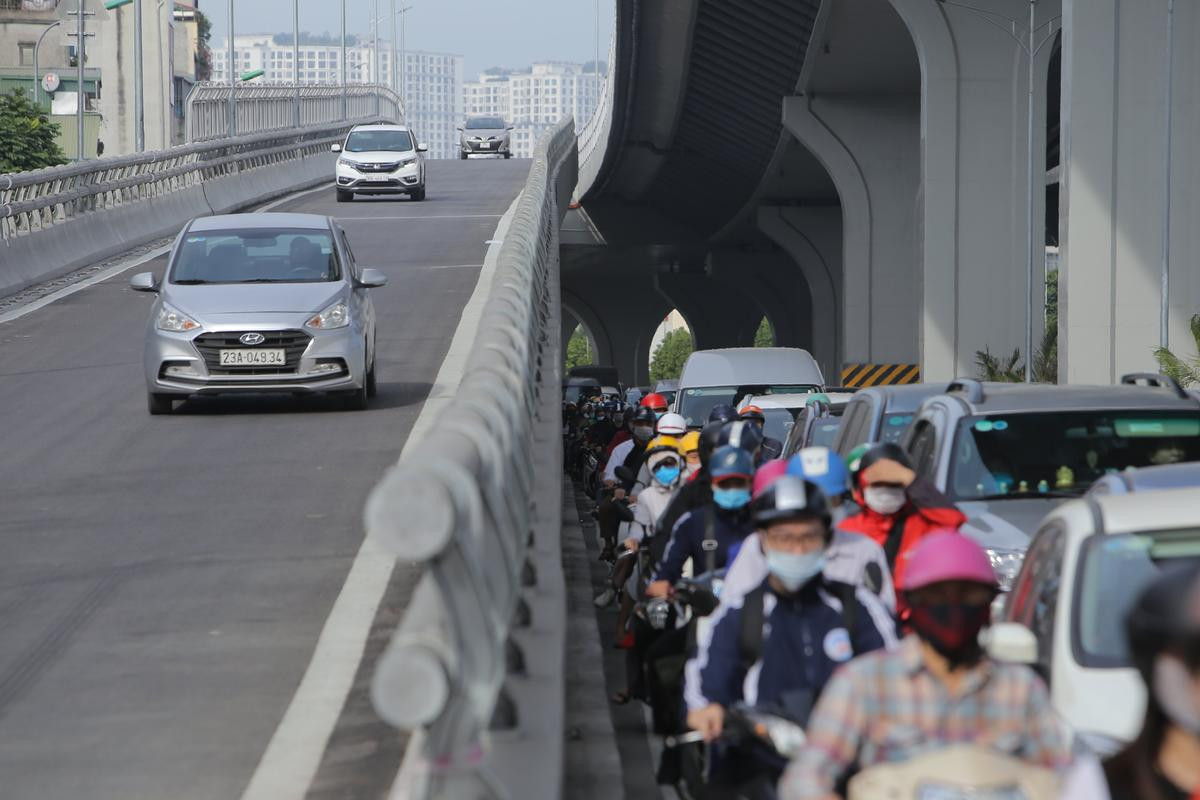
x=1011, y=369
x=203, y=50
x=1000, y=368
x=28, y=139
x=764, y=337
x=1185, y=371
x=579, y=351
x=668, y=359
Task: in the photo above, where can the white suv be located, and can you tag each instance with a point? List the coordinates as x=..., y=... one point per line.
x=380, y=159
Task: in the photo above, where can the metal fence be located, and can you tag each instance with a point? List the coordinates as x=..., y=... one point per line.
x=475, y=668
x=58, y=219
x=268, y=107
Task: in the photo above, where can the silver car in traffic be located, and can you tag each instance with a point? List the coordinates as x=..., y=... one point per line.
x=485, y=136
x=260, y=303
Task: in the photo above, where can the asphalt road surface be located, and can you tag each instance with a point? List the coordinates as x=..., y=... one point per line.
x=163, y=580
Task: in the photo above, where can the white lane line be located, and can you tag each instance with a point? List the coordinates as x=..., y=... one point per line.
x=418, y=219
x=295, y=196
x=292, y=757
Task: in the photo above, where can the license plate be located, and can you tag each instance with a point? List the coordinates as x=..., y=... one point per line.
x=253, y=358
x=485, y=145
x=377, y=178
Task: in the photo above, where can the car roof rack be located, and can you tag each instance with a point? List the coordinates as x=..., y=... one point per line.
x=972, y=388
x=1156, y=380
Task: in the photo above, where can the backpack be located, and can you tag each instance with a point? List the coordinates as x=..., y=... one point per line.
x=750, y=631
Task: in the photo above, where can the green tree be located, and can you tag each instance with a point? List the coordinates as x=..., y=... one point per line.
x=579, y=351
x=28, y=139
x=764, y=337
x=1045, y=358
x=999, y=368
x=203, y=51
x=1186, y=372
x=669, y=356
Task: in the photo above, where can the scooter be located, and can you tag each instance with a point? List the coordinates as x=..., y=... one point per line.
x=961, y=772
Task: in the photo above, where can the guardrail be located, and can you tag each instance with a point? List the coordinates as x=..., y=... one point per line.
x=475, y=668
x=269, y=107
x=55, y=220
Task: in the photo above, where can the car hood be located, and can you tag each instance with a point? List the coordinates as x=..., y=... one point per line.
x=486, y=132
x=379, y=156
x=253, y=298
x=1005, y=524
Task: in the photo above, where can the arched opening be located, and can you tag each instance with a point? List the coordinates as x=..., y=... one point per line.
x=670, y=347
x=765, y=335
x=580, y=350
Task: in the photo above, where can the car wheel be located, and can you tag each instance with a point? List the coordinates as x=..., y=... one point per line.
x=358, y=400
x=507, y=156
x=372, y=384
x=160, y=403
x=463, y=156
x=343, y=196
x=419, y=194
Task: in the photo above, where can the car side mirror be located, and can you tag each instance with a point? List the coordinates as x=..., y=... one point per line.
x=372, y=279
x=143, y=282
x=422, y=147
x=335, y=148
x=1012, y=642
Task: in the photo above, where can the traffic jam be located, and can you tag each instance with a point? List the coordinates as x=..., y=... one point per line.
x=936, y=591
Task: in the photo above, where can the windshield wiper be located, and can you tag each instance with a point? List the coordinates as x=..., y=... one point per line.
x=1024, y=495
x=190, y=281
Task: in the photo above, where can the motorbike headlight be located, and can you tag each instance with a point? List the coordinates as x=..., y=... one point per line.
x=1006, y=563
x=336, y=315
x=345, y=162
x=171, y=318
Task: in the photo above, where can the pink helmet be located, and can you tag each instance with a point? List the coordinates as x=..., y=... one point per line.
x=765, y=475
x=947, y=556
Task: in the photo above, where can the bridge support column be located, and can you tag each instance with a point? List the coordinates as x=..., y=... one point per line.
x=718, y=312
x=1113, y=201
x=778, y=288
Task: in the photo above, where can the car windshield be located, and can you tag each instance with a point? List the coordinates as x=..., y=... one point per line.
x=893, y=427
x=256, y=256
x=1114, y=570
x=1064, y=451
x=485, y=124
x=698, y=402
x=779, y=422
x=823, y=432
x=364, y=141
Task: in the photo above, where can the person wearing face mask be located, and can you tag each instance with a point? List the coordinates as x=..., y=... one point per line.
x=776, y=647
x=899, y=509
x=629, y=454
x=1163, y=761
x=697, y=492
x=771, y=448
x=937, y=689
x=689, y=445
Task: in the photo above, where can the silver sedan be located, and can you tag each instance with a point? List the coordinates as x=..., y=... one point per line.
x=260, y=303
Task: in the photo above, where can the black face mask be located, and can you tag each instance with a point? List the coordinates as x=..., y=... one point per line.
x=952, y=629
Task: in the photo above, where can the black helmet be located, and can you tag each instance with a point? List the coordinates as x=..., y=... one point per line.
x=743, y=434
x=709, y=436
x=791, y=497
x=644, y=415
x=1166, y=616
x=722, y=413
x=886, y=450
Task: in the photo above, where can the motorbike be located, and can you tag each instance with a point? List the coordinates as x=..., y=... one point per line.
x=961, y=772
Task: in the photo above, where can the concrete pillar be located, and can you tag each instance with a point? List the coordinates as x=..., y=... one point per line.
x=621, y=314
x=1114, y=172
x=718, y=312
x=776, y=285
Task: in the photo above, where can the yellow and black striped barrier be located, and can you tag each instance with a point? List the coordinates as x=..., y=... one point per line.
x=858, y=376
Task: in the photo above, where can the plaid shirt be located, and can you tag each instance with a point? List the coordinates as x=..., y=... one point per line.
x=886, y=707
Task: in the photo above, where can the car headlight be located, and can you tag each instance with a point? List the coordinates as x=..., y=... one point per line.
x=405, y=162
x=171, y=318
x=334, y=316
x=1006, y=563
x=345, y=162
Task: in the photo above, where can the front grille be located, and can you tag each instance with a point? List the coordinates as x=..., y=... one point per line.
x=210, y=345
x=374, y=184
x=392, y=167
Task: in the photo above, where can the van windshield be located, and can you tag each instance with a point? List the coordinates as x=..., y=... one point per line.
x=695, y=404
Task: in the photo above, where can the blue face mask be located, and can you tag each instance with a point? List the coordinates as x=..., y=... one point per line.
x=666, y=475
x=659, y=414
x=731, y=499
x=794, y=570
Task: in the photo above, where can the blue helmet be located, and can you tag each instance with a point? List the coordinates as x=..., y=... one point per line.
x=730, y=462
x=722, y=413
x=823, y=467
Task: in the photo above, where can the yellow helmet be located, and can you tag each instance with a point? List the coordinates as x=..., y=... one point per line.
x=661, y=443
x=690, y=442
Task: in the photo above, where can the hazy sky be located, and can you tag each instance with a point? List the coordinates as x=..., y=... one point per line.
x=527, y=31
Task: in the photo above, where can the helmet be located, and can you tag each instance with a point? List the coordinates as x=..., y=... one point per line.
x=730, y=462
x=790, y=497
x=1166, y=616
x=661, y=443
x=722, y=413
x=689, y=442
x=672, y=425
x=765, y=475
x=753, y=414
x=821, y=466
x=885, y=450
x=654, y=401
x=709, y=437
x=946, y=555
x=854, y=460
x=644, y=416
x=743, y=434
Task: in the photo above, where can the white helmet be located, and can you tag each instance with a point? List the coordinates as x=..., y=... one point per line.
x=672, y=425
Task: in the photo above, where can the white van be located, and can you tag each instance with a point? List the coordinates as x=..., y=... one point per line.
x=713, y=377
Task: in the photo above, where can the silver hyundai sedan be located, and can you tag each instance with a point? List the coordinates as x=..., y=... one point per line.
x=260, y=303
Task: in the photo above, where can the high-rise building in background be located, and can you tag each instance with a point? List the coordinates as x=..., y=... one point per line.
x=432, y=81
x=533, y=100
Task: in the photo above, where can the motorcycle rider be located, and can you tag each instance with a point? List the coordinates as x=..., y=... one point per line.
x=655, y=402
x=1163, y=761
x=629, y=454
x=689, y=445
x=697, y=492
x=936, y=689
x=771, y=448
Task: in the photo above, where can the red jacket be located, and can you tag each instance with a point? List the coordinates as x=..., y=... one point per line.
x=928, y=510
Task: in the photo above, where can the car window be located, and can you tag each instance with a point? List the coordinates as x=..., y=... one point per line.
x=364, y=141
x=255, y=255
x=484, y=123
x=923, y=448
x=696, y=403
x=345, y=240
x=823, y=431
x=892, y=426
x=852, y=425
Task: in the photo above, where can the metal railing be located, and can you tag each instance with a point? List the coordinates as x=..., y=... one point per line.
x=478, y=502
x=268, y=107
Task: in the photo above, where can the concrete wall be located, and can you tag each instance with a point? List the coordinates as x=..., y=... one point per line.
x=115, y=58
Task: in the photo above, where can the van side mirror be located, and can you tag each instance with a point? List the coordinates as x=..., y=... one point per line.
x=422, y=147
x=1012, y=642
x=335, y=148
x=372, y=278
x=143, y=282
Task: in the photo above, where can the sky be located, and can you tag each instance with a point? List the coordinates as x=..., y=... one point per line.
x=527, y=31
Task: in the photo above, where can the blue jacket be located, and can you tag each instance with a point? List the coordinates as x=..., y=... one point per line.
x=804, y=641
x=687, y=541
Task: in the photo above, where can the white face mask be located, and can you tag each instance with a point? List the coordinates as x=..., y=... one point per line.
x=886, y=500
x=1175, y=691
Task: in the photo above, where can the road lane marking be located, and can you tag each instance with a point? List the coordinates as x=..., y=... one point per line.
x=292, y=757
x=418, y=219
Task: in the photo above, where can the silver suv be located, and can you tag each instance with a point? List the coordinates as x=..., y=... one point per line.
x=380, y=159
x=260, y=303
x=485, y=136
x=1008, y=453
